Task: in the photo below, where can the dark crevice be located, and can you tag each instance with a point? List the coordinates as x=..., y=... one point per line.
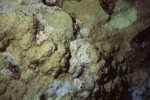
x=76, y=28
x=36, y=27
x=48, y=3
x=114, y=93
x=108, y=6
x=43, y=97
x=142, y=40
x=5, y=45
x=5, y=42
x=52, y=4
x=66, y=67
x=82, y=72
x=14, y=70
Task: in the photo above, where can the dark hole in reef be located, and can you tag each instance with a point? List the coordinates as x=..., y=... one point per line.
x=142, y=40
x=43, y=97
x=48, y=3
x=44, y=1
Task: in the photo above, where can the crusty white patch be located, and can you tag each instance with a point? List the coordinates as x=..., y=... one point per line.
x=79, y=57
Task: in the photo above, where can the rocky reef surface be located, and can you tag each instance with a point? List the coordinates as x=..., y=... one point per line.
x=74, y=49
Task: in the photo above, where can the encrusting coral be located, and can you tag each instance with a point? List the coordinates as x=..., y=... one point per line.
x=79, y=56
x=71, y=50
x=81, y=78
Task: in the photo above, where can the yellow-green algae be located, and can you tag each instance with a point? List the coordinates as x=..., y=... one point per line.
x=88, y=12
x=63, y=26
x=38, y=64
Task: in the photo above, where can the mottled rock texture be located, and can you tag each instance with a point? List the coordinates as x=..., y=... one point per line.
x=77, y=52
x=18, y=36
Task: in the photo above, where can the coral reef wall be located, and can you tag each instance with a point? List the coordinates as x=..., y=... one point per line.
x=73, y=49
